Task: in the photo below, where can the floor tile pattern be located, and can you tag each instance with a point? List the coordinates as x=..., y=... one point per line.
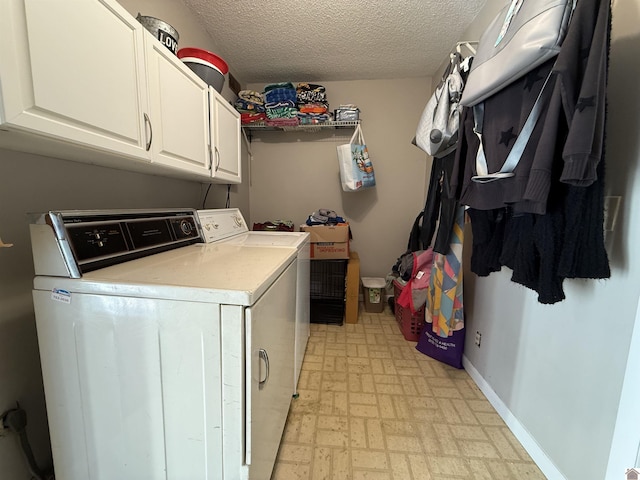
x=371, y=407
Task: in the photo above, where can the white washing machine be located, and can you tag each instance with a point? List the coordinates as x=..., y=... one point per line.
x=162, y=356
x=228, y=225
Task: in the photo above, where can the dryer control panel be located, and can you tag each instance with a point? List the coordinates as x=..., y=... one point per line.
x=89, y=240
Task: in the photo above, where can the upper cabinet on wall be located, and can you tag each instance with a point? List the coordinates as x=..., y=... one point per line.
x=179, y=112
x=225, y=139
x=84, y=81
x=74, y=71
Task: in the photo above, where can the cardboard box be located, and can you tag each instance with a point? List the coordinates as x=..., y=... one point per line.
x=327, y=233
x=329, y=250
x=328, y=241
x=353, y=289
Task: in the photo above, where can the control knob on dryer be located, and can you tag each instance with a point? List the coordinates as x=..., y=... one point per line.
x=186, y=227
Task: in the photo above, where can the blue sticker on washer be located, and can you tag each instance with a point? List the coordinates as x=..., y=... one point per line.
x=60, y=295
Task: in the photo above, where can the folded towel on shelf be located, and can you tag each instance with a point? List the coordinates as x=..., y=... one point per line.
x=313, y=118
x=246, y=118
x=282, y=122
x=245, y=106
x=273, y=86
x=315, y=107
x=282, y=109
x=280, y=95
x=251, y=96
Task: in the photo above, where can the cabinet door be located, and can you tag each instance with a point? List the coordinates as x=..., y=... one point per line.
x=225, y=138
x=75, y=71
x=270, y=325
x=179, y=112
x=133, y=387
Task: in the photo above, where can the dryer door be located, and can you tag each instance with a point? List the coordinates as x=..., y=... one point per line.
x=270, y=325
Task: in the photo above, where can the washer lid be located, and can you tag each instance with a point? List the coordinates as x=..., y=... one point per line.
x=269, y=239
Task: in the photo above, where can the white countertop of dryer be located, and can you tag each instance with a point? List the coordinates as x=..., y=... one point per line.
x=214, y=273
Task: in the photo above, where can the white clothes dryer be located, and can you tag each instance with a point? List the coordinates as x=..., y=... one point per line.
x=229, y=226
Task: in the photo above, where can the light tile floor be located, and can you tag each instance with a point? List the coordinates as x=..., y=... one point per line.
x=372, y=407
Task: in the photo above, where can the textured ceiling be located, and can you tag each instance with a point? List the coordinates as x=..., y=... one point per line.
x=325, y=40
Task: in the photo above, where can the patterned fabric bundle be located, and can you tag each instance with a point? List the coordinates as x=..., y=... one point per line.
x=311, y=93
x=312, y=98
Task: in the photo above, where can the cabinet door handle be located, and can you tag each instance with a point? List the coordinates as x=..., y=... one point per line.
x=147, y=121
x=217, y=159
x=262, y=353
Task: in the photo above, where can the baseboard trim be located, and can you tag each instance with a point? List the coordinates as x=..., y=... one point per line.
x=529, y=443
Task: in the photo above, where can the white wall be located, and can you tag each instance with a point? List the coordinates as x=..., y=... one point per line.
x=294, y=174
x=559, y=369
x=31, y=183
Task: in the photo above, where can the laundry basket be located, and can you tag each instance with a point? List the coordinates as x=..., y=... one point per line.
x=410, y=325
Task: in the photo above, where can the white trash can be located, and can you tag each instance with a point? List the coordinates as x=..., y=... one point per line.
x=373, y=292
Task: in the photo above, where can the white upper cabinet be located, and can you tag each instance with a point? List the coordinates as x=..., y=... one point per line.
x=74, y=71
x=179, y=112
x=85, y=81
x=225, y=139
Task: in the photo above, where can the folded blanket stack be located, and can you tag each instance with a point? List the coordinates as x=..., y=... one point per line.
x=312, y=103
x=250, y=104
x=280, y=104
x=287, y=105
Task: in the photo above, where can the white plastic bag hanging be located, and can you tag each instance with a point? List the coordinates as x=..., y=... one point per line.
x=356, y=169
